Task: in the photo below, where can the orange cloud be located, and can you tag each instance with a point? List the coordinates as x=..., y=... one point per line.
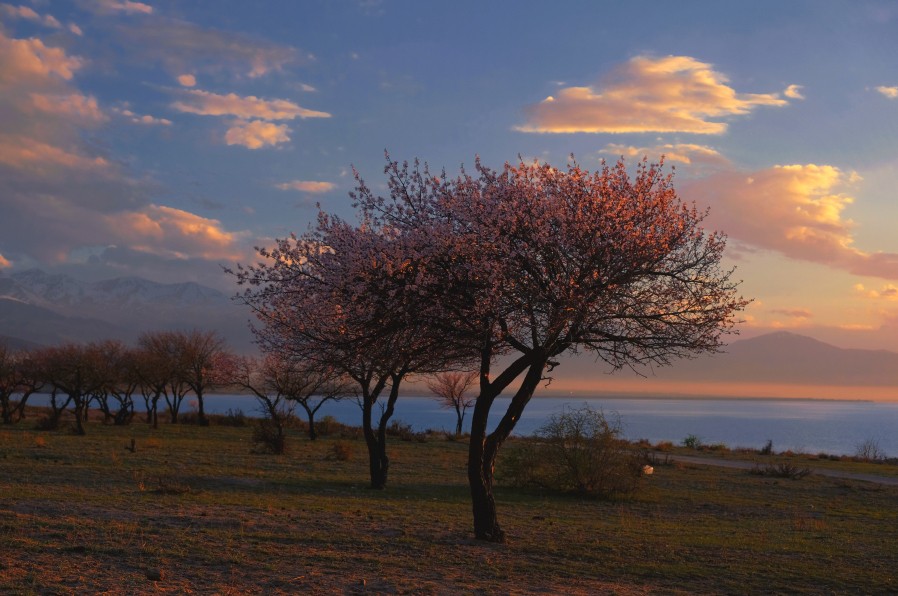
x=890, y=92
x=205, y=103
x=888, y=292
x=173, y=233
x=796, y=210
x=4, y=262
x=669, y=94
x=257, y=134
x=30, y=58
x=686, y=153
x=187, y=80
x=24, y=152
x=793, y=92
x=72, y=104
x=311, y=186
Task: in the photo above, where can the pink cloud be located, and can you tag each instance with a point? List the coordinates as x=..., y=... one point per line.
x=669, y=94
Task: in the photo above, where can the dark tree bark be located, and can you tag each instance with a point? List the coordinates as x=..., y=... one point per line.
x=483, y=449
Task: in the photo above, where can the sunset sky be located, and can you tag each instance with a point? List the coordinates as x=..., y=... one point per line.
x=163, y=139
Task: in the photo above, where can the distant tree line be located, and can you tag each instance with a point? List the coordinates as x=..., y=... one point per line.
x=112, y=377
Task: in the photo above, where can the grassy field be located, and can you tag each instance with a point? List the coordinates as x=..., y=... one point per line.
x=193, y=509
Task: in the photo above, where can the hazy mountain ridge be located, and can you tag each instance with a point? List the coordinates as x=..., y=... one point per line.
x=50, y=308
x=785, y=357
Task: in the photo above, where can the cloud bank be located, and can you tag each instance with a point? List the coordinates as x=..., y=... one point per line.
x=796, y=210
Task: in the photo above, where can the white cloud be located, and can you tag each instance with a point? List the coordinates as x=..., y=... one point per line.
x=670, y=94
x=257, y=134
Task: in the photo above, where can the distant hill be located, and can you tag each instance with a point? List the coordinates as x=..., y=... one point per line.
x=784, y=357
x=50, y=308
x=779, y=359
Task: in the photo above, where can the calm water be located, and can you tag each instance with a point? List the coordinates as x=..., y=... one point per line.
x=810, y=426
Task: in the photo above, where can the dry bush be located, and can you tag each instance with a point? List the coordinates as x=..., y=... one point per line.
x=869, y=451
x=339, y=451
x=783, y=470
x=269, y=437
x=577, y=451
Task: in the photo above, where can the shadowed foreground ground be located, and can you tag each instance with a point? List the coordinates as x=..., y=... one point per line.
x=194, y=510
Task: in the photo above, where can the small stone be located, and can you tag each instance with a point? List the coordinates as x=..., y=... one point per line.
x=154, y=575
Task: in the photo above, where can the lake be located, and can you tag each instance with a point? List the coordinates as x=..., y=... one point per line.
x=801, y=425
x=810, y=426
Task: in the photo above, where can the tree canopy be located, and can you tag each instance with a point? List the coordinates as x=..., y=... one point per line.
x=530, y=261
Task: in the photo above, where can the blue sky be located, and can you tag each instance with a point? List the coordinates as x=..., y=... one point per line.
x=165, y=139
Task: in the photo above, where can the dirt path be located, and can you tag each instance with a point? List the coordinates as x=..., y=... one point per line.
x=748, y=465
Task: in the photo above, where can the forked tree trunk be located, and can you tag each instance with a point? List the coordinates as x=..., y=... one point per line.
x=378, y=463
x=483, y=449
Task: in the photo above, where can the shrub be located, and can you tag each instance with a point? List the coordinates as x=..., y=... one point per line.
x=340, y=451
x=404, y=432
x=692, y=442
x=579, y=451
x=869, y=451
x=784, y=470
x=269, y=437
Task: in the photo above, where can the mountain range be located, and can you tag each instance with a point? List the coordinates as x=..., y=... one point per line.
x=41, y=308
x=37, y=308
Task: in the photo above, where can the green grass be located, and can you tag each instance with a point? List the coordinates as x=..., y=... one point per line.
x=194, y=509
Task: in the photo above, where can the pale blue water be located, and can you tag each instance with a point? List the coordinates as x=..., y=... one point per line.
x=810, y=426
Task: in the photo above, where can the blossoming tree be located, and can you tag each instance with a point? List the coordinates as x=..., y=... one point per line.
x=533, y=262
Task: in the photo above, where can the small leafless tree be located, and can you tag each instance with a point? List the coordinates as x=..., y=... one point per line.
x=451, y=388
x=17, y=380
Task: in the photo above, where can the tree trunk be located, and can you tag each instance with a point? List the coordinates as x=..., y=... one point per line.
x=312, y=433
x=201, y=410
x=80, y=414
x=378, y=462
x=483, y=449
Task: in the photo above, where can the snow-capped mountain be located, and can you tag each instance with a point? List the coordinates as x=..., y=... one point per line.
x=47, y=308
